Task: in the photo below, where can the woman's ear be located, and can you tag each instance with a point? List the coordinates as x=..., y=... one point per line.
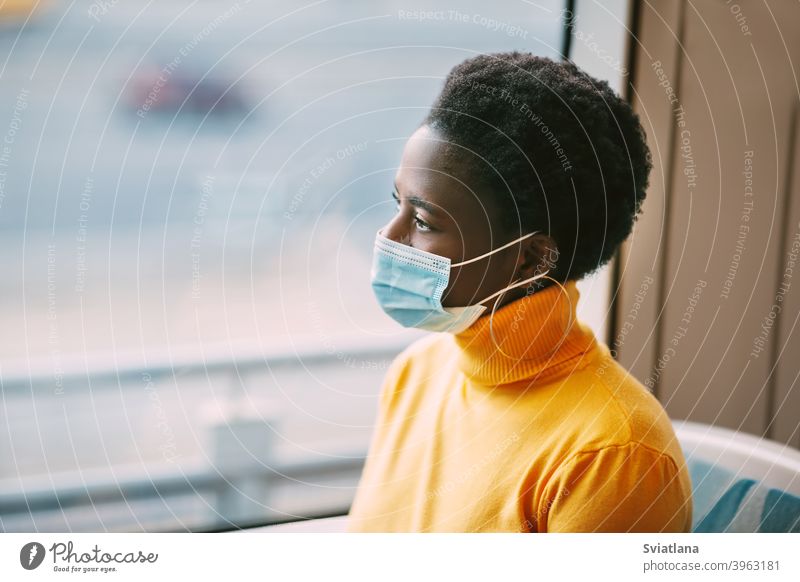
x=539, y=255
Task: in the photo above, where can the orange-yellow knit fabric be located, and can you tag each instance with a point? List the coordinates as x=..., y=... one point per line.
x=554, y=436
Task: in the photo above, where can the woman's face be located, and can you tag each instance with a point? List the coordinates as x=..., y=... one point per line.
x=439, y=211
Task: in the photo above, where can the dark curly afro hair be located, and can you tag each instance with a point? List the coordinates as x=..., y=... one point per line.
x=558, y=150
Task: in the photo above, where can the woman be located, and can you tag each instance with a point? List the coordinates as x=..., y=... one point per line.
x=525, y=176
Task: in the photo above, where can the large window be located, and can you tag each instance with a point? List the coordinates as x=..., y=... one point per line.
x=189, y=193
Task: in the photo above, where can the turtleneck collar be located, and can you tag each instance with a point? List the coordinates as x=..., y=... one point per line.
x=532, y=331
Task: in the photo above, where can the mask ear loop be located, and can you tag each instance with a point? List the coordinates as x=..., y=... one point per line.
x=550, y=353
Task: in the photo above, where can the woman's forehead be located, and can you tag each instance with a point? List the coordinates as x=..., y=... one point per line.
x=430, y=170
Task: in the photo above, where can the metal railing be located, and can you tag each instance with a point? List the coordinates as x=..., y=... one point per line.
x=232, y=490
x=238, y=500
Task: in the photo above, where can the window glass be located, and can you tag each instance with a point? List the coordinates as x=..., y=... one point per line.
x=189, y=193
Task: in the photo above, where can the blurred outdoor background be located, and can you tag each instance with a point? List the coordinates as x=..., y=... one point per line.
x=189, y=194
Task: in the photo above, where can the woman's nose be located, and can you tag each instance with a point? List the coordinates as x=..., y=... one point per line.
x=395, y=231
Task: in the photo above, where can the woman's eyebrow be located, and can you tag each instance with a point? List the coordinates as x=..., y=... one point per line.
x=418, y=202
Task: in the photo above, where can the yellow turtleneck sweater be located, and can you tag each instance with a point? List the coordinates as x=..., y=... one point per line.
x=470, y=440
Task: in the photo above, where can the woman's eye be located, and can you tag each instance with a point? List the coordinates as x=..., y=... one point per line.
x=421, y=224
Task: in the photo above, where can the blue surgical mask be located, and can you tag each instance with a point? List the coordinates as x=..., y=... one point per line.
x=409, y=283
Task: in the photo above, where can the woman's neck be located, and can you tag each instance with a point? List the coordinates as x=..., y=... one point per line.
x=531, y=338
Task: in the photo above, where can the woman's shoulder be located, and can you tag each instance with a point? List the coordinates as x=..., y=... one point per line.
x=614, y=420
x=631, y=406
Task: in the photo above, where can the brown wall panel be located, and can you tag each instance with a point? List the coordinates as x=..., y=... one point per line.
x=637, y=307
x=719, y=190
x=785, y=403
